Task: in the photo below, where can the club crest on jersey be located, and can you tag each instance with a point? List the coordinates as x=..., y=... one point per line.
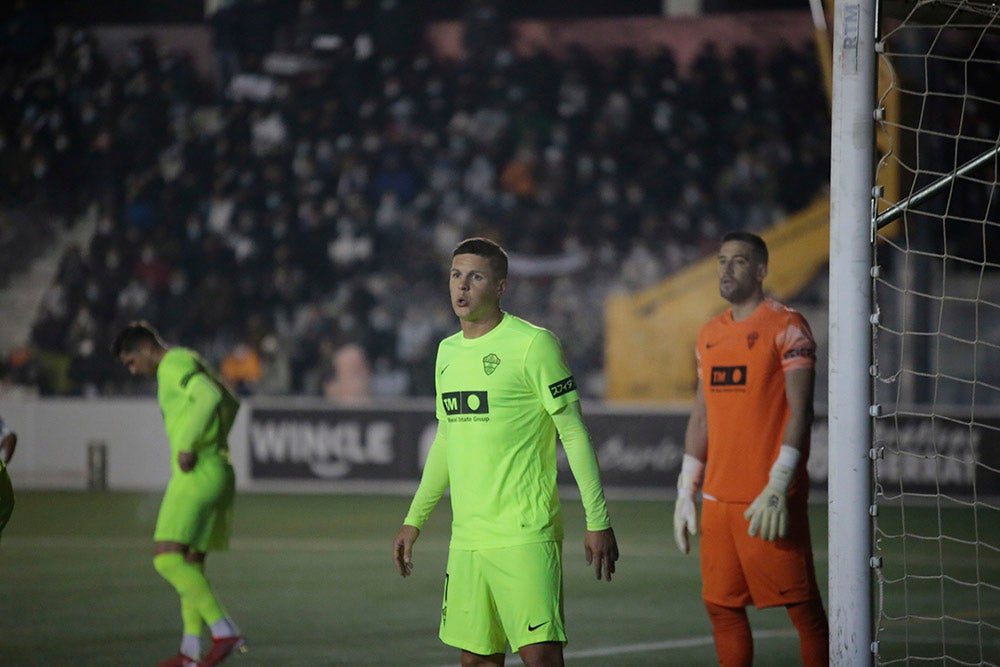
x=490, y=363
x=752, y=339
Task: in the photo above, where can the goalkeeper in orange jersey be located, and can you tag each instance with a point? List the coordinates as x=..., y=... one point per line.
x=749, y=434
x=196, y=513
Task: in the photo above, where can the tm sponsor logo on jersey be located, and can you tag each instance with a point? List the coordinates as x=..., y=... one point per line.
x=466, y=405
x=562, y=387
x=728, y=376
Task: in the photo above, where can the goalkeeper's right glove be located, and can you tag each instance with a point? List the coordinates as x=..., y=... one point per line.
x=685, y=513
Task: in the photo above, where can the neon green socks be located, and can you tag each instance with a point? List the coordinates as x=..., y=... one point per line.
x=197, y=599
x=189, y=613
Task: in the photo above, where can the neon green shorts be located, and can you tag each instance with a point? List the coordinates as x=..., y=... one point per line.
x=6, y=497
x=493, y=597
x=197, y=508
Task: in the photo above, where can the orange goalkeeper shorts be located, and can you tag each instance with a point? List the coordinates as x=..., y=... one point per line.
x=738, y=570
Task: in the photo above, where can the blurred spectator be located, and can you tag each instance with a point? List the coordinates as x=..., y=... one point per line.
x=518, y=176
x=223, y=21
x=275, y=368
x=389, y=381
x=241, y=368
x=22, y=368
x=311, y=21
x=152, y=271
x=91, y=370
x=351, y=378
x=485, y=32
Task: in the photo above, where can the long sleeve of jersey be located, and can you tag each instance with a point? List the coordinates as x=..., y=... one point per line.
x=433, y=481
x=202, y=399
x=583, y=464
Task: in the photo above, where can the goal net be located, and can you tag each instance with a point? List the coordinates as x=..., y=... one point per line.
x=936, y=337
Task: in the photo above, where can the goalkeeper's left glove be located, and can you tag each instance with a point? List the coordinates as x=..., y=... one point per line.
x=769, y=512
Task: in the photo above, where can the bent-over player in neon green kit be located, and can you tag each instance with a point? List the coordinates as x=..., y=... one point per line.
x=196, y=513
x=503, y=391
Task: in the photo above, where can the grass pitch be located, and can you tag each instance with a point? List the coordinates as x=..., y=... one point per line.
x=310, y=580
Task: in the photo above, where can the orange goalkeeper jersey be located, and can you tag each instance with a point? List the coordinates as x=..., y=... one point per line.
x=742, y=368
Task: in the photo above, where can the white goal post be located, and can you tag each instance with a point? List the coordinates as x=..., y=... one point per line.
x=914, y=346
x=851, y=181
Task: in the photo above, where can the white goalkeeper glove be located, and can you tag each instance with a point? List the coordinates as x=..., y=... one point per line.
x=768, y=514
x=685, y=513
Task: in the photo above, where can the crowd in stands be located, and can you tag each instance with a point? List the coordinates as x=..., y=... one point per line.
x=52, y=136
x=292, y=218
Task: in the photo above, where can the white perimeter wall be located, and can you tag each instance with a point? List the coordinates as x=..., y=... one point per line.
x=53, y=435
x=636, y=452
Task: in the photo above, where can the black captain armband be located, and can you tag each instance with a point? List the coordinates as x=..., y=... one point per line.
x=562, y=387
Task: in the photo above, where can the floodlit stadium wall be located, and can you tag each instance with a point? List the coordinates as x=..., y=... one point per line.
x=308, y=445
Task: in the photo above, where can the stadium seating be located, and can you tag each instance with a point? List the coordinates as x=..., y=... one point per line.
x=308, y=205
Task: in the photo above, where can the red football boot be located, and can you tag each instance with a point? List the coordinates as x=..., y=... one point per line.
x=222, y=648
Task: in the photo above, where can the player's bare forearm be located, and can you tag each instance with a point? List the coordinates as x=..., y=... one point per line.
x=696, y=433
x=402, y=549
x=799, y=394
x=601, y=549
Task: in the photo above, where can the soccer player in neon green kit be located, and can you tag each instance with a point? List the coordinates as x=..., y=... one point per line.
x=503, y=391
x=8, y=443
x=196, y=513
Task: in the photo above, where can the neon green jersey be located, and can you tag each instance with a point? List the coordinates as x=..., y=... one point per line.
x=496, y=443
x=198, y=409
